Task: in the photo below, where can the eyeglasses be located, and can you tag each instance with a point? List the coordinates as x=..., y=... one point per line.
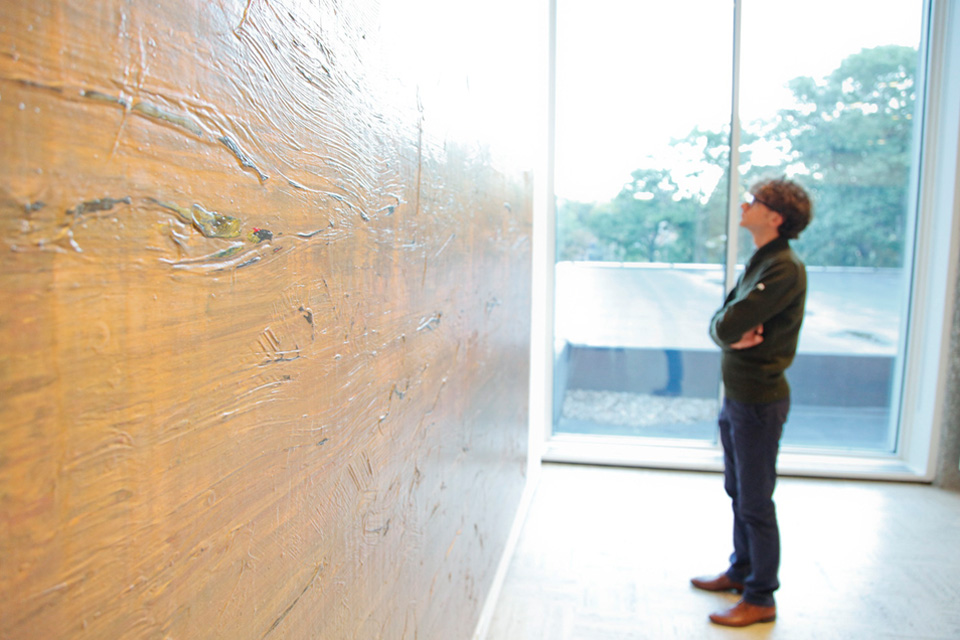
x=750, y=199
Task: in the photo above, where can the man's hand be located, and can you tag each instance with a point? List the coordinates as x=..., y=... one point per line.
x=751, y=338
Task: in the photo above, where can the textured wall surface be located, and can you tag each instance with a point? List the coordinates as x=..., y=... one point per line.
x=265, y=324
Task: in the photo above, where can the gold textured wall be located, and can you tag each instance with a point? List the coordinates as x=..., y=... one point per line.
x=265, y=316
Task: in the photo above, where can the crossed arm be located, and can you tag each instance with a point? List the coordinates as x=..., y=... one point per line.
x=746, y=311
x=751, y=338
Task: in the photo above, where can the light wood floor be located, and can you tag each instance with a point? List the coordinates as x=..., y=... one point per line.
x=607, y=553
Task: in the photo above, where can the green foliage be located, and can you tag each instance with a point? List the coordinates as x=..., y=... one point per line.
x=853, y=134
x=648, y=221
x=847, y=136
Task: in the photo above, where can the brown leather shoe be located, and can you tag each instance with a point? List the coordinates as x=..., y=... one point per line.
x=717, y=583
x=744, y=614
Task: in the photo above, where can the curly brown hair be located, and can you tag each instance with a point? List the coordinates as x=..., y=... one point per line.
x=790, y=200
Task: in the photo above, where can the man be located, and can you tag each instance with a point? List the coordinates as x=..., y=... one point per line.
x=757, y=328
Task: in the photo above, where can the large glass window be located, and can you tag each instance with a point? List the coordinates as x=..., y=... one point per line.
x=644, y=95
x=833, y=102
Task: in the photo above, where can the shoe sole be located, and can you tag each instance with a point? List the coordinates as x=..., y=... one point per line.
x=735, y=587
x=742, y=624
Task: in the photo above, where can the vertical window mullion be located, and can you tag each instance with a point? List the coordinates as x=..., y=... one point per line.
x=733, y=182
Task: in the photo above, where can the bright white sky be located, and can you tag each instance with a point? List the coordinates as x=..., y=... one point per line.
x=632, y=74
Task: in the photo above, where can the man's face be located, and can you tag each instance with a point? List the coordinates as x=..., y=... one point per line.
x=755, y=215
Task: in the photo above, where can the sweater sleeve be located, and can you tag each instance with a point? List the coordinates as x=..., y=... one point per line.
x=775, y=288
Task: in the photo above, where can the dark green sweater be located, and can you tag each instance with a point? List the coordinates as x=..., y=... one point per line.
x=771, y=292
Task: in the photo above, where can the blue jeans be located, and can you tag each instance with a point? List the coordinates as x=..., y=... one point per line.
x=750, y=434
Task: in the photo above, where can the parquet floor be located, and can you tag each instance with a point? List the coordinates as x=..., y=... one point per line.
x=607, y=553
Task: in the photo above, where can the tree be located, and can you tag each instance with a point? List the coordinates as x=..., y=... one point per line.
x=669, y=215
x=575, y=240
x=849, y=135
x=650, y=220
x=852, y=134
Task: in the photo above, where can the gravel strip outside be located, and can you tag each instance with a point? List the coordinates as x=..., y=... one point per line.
x=636, y=409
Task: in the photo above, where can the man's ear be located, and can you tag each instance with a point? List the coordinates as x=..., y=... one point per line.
x=776, y=219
